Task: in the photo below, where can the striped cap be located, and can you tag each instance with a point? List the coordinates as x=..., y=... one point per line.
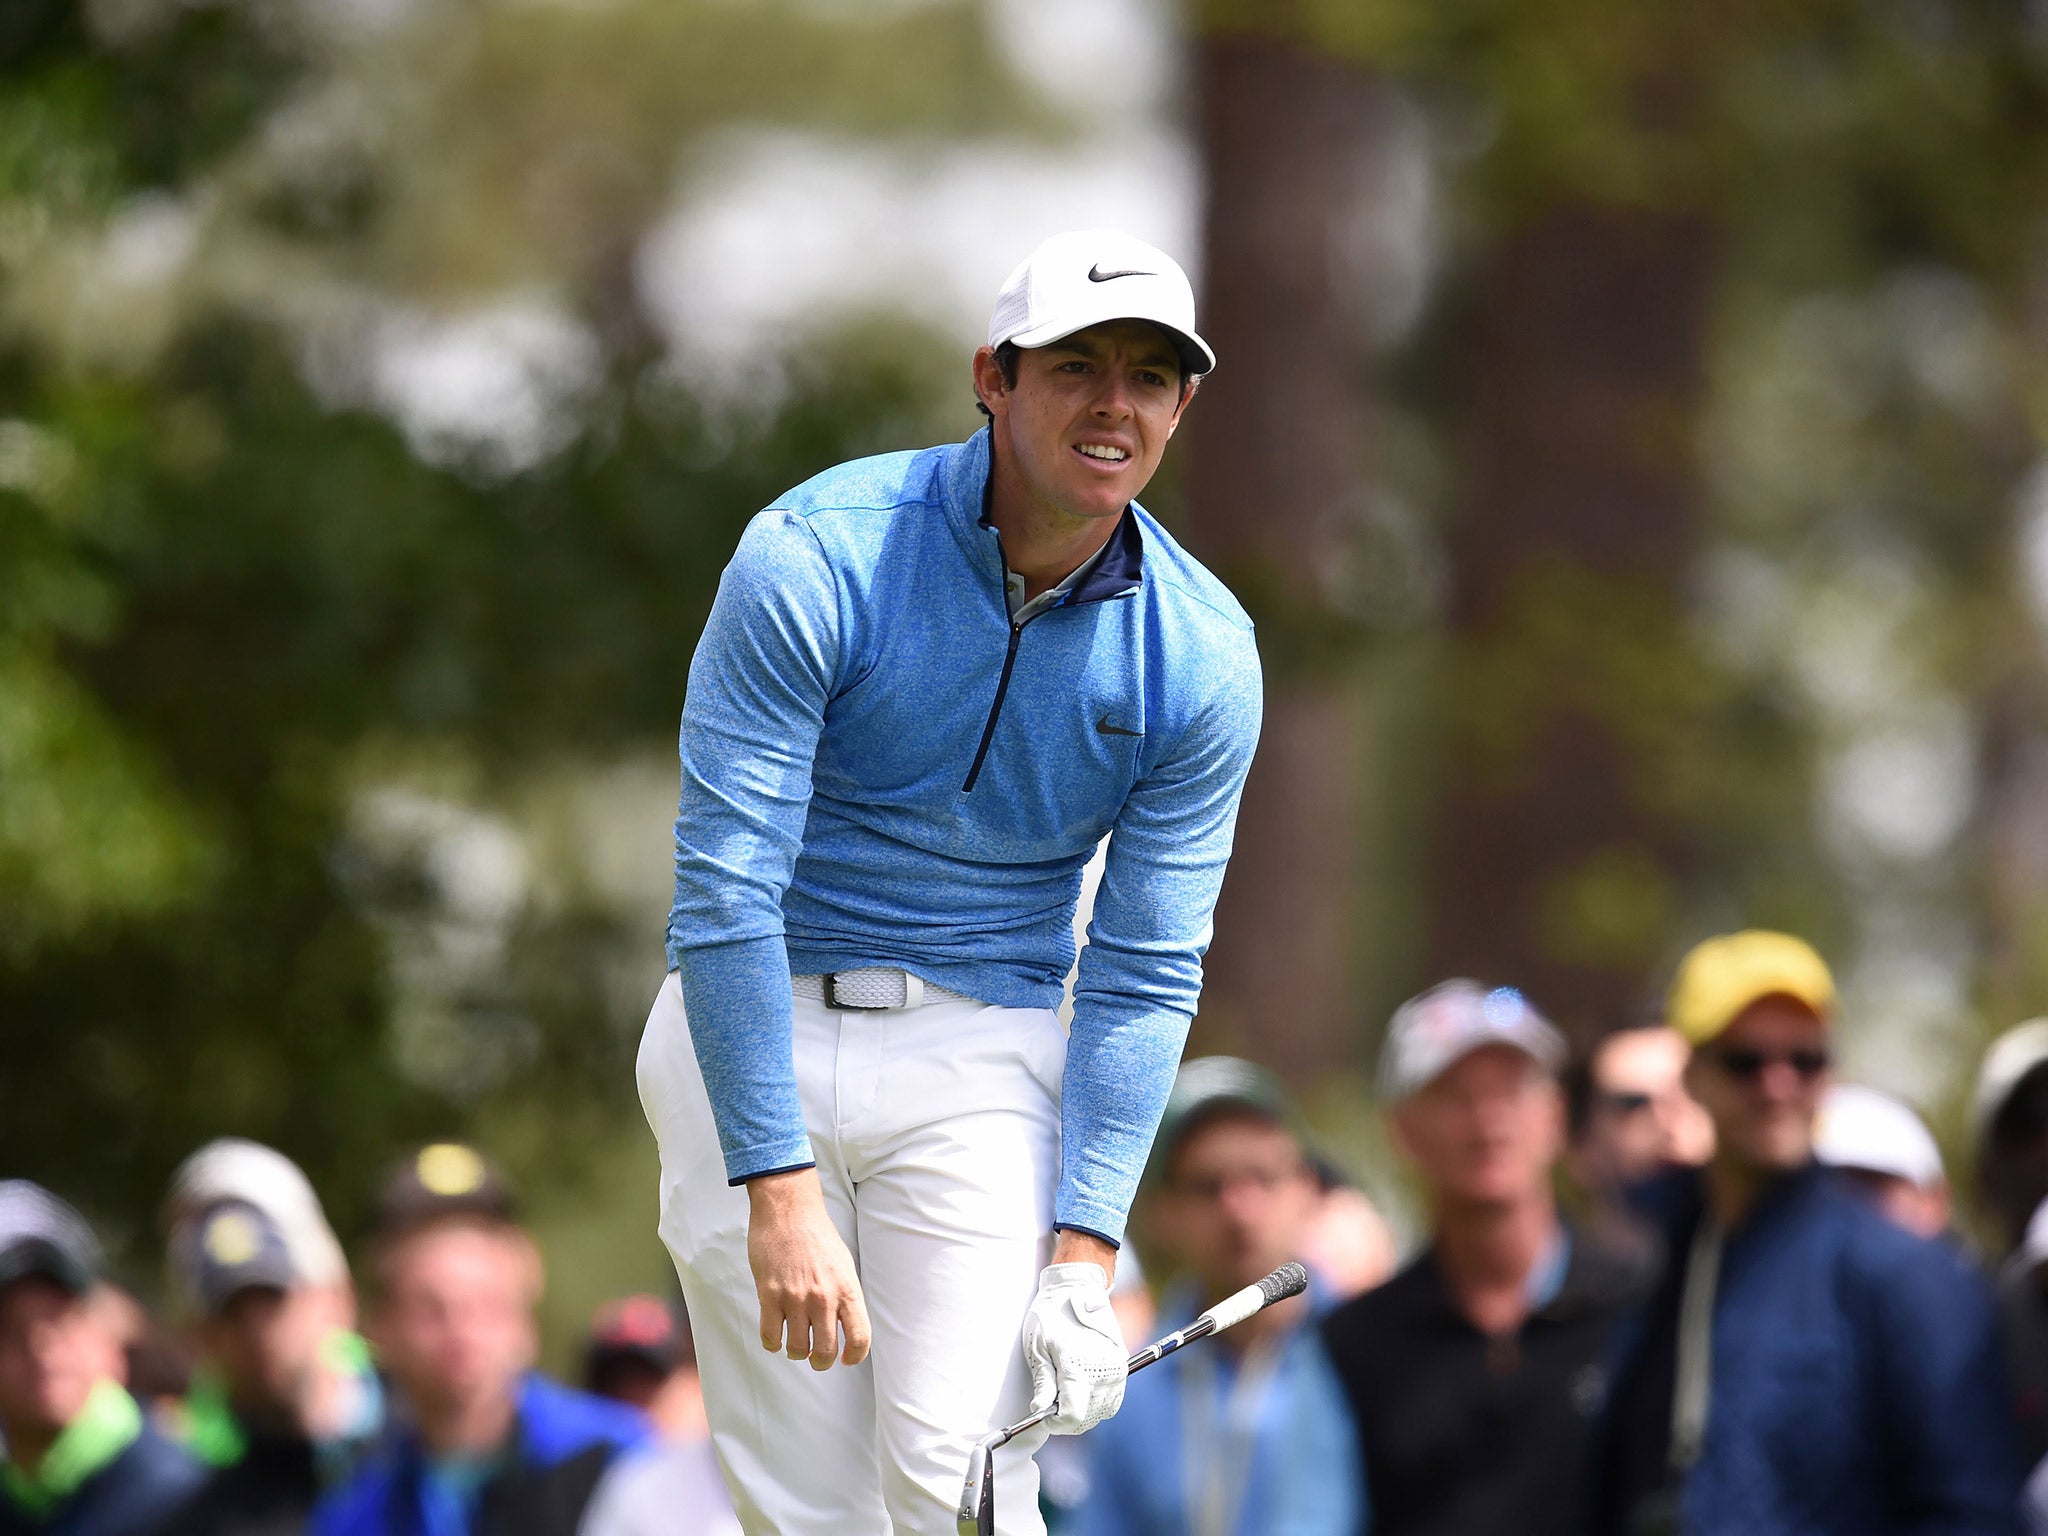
x=41, y=1235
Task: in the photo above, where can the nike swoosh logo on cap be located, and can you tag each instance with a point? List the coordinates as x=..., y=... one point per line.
x=1107, y=729
x=1097, y=275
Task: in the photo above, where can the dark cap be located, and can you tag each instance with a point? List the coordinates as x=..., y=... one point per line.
x=1211, y=1086
x=41, y=1235
x=443, y=1179
x=639, y=1328
x=232, y=1247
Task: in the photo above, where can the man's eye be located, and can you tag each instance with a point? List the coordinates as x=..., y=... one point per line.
x=1152, y=378
x=1075, y=366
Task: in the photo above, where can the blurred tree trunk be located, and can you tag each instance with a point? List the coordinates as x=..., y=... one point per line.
x=1556, y=849
x=1276, y=451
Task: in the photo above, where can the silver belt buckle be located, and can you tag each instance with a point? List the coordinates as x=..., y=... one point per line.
x=832, y=997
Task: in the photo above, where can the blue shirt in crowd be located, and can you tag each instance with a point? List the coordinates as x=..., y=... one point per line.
x=562, y=1445
x=1213, y=1443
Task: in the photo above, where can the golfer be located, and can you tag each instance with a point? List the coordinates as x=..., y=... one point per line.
x=930, y=684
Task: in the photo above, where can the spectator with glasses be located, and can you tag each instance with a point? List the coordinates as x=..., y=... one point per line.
x=1247, y=1436
x=1803, y=1364
x=1631, y=1119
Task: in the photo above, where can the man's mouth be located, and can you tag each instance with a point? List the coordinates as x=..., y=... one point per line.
x=1103, y=453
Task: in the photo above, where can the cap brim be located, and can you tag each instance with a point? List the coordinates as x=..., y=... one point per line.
x=1195, y=357
x=35, y=1258
x=1548, y=1051
x=221, y=1289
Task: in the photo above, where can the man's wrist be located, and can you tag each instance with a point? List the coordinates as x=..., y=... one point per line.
x=784, y=1192
x=1071, y=1247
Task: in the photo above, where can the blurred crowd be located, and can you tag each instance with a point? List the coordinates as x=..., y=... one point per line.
x=1685, y=1281
x=281, y=1404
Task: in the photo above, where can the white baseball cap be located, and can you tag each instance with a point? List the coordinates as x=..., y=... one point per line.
x=1862, y=1128
x=1088, y=276
x=2033, y=1249
x=249, y=1173
x=1432, y=1033
x=2011, y=1057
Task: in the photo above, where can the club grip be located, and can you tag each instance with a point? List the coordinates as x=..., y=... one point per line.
x=1288, y=1280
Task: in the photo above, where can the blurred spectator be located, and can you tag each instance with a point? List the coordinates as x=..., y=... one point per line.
x=1803, y=1365
x=640, y=1352
x=2011, y=1123
x=1248, y=1434
x=1474, y=1372
x=1884, y=1152
x=156, y=1368
x=1347, y=1243
x=2010, y=1114
x=1631, y=1118
x=490, y=1448
x=80, y=1458
x=287, y=1403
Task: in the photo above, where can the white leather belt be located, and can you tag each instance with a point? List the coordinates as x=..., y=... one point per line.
x=877, y=986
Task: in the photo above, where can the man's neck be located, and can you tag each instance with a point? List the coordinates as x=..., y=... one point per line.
x=28, y=1444
x=1488, y=1254
x=1733, y=1189
x=1042, y=543
x=472, y=1429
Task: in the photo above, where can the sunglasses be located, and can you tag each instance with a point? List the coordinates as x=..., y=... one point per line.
x=1748, y=1065
x=1625, y=1105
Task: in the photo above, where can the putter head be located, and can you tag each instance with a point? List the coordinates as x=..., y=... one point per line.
x=977, y=1513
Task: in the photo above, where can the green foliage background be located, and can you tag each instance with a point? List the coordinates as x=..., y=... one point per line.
x=271, y=672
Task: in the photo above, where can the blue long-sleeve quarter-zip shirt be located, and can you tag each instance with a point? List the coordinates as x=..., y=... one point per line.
x=880, y=768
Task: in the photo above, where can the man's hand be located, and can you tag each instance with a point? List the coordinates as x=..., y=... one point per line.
x=1075, y=1347
x=803, y=1272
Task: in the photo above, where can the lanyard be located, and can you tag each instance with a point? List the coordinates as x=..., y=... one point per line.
x=1218, y=1457
x=1695, y=1347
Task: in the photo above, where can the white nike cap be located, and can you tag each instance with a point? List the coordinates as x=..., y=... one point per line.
x=1087, y=276
x=1862, y=1128
x=1430, y=1034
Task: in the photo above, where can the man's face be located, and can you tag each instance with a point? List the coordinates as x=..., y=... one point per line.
x=1236, y=1202
x=1761, y=1081
x=1641, y=1119
x=54, y=1349
x=1087, y=421
x=267, y=1346
x=1486, y=1131
x=454, y=1322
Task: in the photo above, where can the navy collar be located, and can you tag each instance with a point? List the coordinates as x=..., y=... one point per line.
x=964, y=492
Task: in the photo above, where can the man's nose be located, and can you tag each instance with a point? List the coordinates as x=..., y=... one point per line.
x=1780, y=1081
x=1113, y=399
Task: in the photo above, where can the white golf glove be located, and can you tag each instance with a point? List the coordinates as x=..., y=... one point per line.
x=1075, y=1348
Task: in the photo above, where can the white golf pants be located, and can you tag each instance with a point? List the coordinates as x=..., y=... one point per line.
x=937, y=1135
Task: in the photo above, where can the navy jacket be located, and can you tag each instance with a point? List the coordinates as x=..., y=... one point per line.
x=564, y=1444
x=1857, y=1381
x=140, y=1492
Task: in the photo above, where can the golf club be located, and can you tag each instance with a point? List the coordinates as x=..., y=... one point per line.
x=977, y=1513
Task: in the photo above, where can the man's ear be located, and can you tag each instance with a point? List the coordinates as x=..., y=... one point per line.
x=1187, y=394
x=988, y=378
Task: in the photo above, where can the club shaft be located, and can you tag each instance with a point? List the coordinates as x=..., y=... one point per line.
x=1151, y=1354
x=977, y=1501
